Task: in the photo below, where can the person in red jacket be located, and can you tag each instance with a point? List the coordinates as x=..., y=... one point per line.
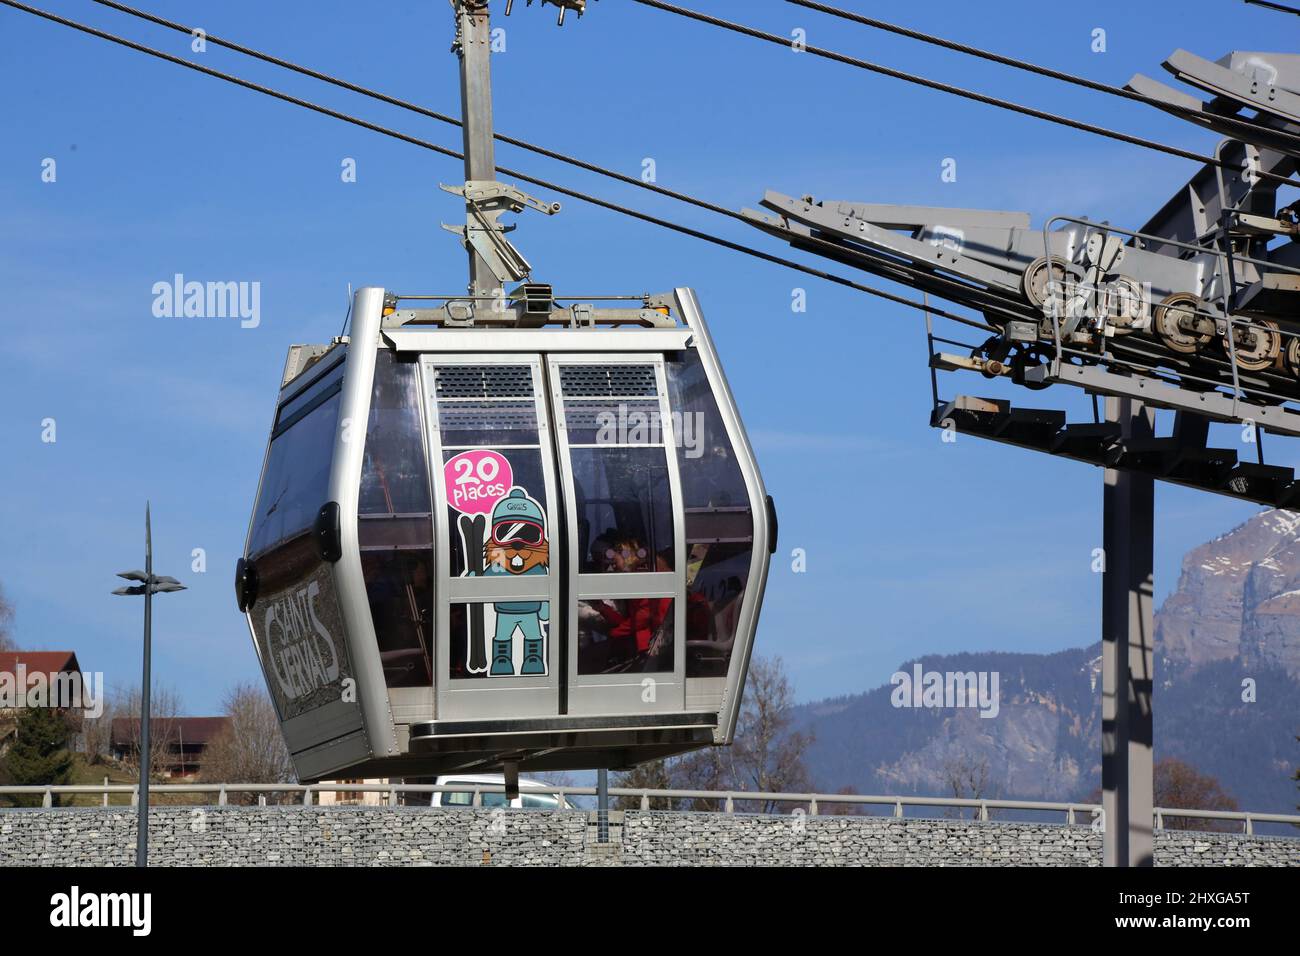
x=636, y=625
x=632, y=629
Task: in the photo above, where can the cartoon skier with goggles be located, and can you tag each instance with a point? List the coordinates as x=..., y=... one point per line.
x=517, y=545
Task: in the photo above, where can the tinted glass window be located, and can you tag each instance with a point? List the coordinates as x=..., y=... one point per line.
x=400, y=587
x=719, y=520
x=624, y=509
x=627, y=421
x=633, y=635
x=395, y=473
x=616, y=435
x=465, y=798
x=301, y=396
x=395, y=525
x=540, y=801
x=499, y=640
x=472, y=423
x=296, y=481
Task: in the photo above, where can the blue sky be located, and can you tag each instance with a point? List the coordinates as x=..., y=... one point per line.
x=949, y=547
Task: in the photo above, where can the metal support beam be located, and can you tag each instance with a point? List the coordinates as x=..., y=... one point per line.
x=146, y=684
x=602, y=806
x=1127, y=650
x=474, y=48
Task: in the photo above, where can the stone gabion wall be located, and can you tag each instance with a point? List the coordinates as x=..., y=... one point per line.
x=1186, y=848
x=292, y=836
x=712, y=839
x=717, y=839
x=409, y=836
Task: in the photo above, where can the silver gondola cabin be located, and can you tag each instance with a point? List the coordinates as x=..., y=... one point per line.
x=536, y=540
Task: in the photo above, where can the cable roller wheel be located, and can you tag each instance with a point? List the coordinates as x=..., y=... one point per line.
x=1179, y=326
x=1257, y=346
x=1291, y=353
x=1127, y=307
x=1036, y=281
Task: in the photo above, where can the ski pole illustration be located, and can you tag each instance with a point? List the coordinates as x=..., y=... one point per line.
x=471, y=531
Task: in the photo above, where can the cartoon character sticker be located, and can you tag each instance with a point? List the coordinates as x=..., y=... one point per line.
x=513, y=542
x=518, y=546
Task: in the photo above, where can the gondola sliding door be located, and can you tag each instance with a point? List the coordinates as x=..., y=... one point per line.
x=625, y=536
x=495, y=510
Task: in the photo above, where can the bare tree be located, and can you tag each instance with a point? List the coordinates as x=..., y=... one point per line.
x=6, y=624
x=707, y=769
x=768, y=754
x=845, y=809
x=251, y=749
x=653, y=775
x=97, y=732
x=555, y=778
x=164, y=708
x=968, y=777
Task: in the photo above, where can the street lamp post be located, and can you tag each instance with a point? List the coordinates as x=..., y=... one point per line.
x=150, y=584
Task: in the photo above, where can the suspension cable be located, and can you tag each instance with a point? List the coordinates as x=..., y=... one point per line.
x=940, y=283
x=542, y=183
x=1245, y=125
x=417, y=108
x=1280, y=7
x=956, y=90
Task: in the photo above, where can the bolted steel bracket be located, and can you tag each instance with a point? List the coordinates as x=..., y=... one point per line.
x=485, y=203
x=580, y=6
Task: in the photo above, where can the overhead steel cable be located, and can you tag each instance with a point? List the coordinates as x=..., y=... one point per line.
x=1025, y=65
x=1279, y=7
x=887, y=267
x=416, y=108
x=536, y=181
x=956, y=90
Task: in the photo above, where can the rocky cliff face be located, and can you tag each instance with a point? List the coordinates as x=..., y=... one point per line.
x=1234, y=617
x=1238, y=598
x=1042, y=745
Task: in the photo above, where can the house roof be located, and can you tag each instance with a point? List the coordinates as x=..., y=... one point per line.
x=43, y=662
x=187, y=730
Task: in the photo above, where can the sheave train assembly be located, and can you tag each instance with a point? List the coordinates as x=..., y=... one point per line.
x=1195, y=311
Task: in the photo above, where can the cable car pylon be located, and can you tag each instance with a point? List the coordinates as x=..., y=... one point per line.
x=1194, y=312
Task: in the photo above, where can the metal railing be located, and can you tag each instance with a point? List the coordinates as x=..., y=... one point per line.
x=809, y=803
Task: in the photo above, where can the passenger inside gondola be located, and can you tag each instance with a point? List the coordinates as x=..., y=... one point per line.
x=629, y=634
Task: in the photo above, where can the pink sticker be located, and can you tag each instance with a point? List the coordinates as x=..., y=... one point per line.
x=476, y=480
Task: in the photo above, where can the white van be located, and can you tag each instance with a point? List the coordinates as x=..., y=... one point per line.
x=496, y=798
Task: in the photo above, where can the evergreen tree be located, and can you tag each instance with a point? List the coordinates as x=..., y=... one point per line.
x=40, y=753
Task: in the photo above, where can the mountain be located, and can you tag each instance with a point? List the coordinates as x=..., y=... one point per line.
x=1238, y=598
x=1234, y=619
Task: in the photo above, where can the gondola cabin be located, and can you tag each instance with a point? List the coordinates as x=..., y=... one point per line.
x=520, y=534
